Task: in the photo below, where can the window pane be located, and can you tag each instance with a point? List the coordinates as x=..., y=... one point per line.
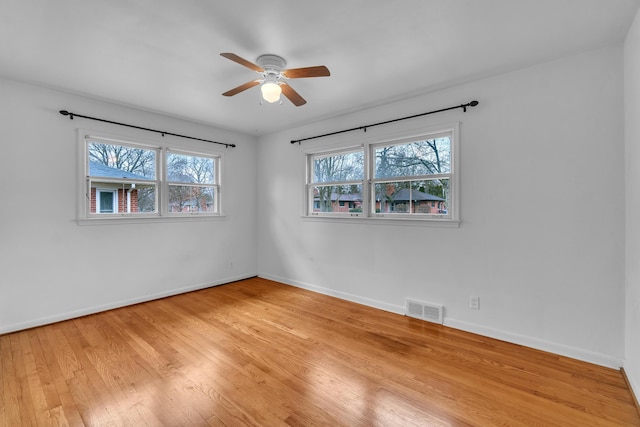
x=106, y=201
x=122, y=197
x=190, y=169
x=146, y=198
x=340, y=167
x=415, y=158
x=191, y=198
x=429, y=197
x=337, y=198
x=117, y=161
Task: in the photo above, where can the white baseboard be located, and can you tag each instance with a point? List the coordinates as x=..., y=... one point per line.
x=4, y=329
x=556, y=348
x=632, y=372
x=398, y=309
x=538, y=344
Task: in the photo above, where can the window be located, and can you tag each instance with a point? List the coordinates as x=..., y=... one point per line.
x=411, y=176
x=408, y=178
x=106, y=201
x=191, y=180
x=121, y=178
x=336, y=178
x=129, y=179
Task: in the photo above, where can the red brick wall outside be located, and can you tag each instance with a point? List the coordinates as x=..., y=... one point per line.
x=93, y=200
x=423, y=207
x=122, y=201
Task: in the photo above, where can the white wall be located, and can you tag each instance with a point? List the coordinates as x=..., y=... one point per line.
x=52, y=268
x=542, y=206
x=632, y=179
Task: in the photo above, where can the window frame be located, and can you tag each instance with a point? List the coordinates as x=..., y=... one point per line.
x=310, y=204
x=161, y=213
x=368, y=146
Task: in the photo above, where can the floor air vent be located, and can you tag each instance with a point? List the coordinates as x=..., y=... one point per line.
x=425, y=311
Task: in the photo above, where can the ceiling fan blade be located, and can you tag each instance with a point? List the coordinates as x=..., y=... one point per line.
x=242, y=87
x=292, y=95
x=242, y=61
x=298, y=73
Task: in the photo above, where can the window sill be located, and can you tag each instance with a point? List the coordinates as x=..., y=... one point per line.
x=147, y=219
x=405, y=221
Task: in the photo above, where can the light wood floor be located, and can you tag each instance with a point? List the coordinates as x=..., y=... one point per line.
x=261, y=353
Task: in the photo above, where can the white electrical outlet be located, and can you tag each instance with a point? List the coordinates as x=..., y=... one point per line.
x=474, y=303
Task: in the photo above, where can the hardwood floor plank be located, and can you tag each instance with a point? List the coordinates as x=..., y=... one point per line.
x=11, y=405
x=45, y=382
x=261, y=353
x=43, y=395
x=67, y=413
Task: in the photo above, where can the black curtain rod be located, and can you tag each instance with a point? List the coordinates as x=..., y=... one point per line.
x=463, y=106
x=163, y=133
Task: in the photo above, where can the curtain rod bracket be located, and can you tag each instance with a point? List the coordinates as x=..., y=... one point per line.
x=163, y=133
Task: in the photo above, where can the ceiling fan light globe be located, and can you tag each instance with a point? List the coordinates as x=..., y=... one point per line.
x=271, y=92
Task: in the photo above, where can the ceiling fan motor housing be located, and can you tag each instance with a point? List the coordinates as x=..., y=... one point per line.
x=271, y=63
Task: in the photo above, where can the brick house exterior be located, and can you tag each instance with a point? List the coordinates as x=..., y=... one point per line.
x=398, y=202
x=117, y=197
x=127, y=199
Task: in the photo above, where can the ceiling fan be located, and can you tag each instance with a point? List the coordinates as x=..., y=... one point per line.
x=273, y=76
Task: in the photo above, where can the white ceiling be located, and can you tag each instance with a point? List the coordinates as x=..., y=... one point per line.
x=163, y=55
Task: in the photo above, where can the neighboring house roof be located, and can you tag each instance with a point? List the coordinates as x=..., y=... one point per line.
x=346, y=197
x=416, y=195
x=98, y=169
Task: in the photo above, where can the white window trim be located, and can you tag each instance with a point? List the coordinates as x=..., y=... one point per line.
x=83, y=192
x=368, y=145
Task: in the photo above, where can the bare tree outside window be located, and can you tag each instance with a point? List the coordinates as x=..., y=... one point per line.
x=135, y=160
x=415, y=158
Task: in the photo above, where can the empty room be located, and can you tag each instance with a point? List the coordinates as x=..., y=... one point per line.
x=340, y=213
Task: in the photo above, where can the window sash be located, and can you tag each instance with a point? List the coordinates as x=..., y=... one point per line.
x=177, y=189
x=192, y=198
x=188, y=174
x=326, y=199
x=315, y=158
x=408, y=198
